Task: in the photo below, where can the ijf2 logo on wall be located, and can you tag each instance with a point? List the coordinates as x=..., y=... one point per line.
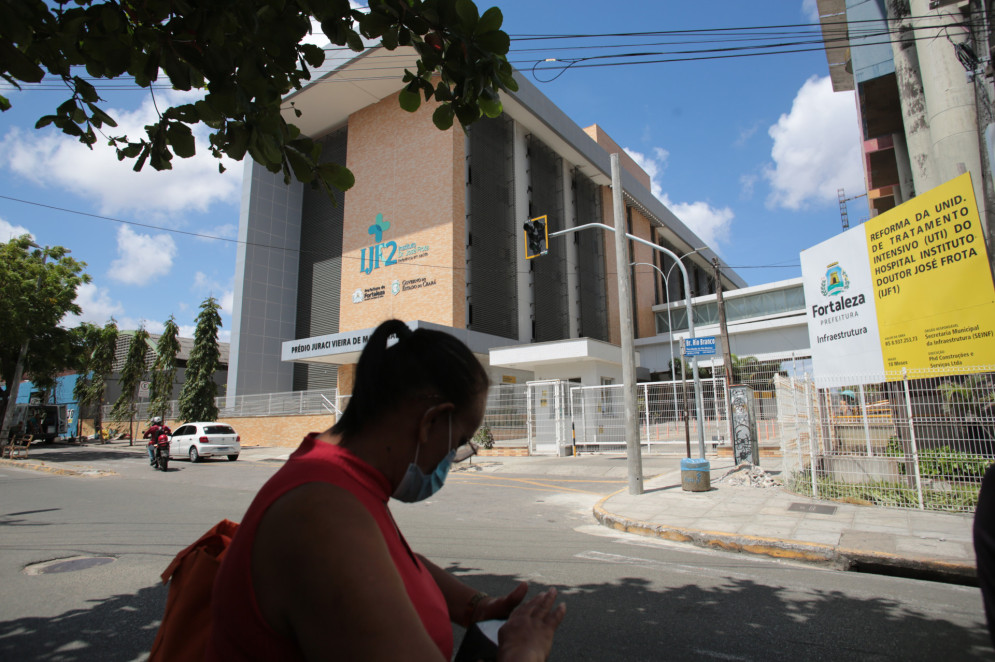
x=377, y=250
x=835, y=281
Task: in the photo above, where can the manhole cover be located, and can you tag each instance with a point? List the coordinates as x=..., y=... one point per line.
x=71, y=564
x=813, y=508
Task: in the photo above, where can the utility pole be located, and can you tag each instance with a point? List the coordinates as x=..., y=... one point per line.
x=633, y=448
x=723, y=329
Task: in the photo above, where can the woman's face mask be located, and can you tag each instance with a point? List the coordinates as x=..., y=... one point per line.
x=416, y=484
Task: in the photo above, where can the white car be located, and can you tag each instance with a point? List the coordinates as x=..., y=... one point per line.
x=197, y=440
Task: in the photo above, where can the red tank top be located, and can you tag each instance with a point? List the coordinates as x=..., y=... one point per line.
x=240, y=632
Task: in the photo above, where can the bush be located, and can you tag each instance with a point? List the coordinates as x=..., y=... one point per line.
x=483, y=437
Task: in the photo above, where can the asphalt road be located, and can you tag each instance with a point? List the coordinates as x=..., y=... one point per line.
x=628, y=598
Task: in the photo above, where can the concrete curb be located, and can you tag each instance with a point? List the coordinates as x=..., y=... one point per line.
x=41, y=466
x=794, y=550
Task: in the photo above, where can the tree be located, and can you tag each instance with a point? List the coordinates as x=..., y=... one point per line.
x=164, y=369
x=131, y=377
x=246, y=55
x=97, y=361
x=37, y=289
x=199, y=389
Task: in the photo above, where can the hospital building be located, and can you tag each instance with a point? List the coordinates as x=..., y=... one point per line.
x=431, y=233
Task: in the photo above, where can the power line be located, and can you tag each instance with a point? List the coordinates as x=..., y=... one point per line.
x=299, y=251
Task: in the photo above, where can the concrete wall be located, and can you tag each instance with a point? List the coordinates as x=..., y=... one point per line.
x=279, y=431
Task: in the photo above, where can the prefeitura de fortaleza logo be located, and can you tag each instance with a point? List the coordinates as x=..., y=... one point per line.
x=835, y=281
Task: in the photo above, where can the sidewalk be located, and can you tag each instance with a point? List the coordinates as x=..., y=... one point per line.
x=773, y=522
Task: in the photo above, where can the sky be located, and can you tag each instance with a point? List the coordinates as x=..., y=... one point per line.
x=749, y=152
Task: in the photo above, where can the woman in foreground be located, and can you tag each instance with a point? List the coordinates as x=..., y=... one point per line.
x=318, y=568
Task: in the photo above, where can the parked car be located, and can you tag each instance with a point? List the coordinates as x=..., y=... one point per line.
x=197, y=440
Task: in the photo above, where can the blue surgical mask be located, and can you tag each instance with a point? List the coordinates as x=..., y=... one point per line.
x=416, y=484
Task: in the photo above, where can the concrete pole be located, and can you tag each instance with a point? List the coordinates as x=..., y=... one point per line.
x=633, y=449
x=950, y=101
x=912, y=100
x=723, y=328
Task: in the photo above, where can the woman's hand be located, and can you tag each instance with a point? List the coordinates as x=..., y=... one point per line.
x=528, y=634
x=500, y=607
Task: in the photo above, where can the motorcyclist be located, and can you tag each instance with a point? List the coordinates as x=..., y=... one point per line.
x=156, y=428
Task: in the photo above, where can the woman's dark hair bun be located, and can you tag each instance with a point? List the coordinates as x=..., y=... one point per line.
x=420, y=362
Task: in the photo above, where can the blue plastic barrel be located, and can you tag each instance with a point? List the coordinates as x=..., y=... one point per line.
x=695, y=475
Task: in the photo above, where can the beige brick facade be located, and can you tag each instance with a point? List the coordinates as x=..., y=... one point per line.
x=411, y=174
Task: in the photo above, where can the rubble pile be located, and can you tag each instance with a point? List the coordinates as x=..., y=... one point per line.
x=752, y=476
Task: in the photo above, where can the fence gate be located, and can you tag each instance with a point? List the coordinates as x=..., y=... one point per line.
x=548, y=406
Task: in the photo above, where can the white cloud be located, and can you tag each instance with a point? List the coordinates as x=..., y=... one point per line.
x=141, y=257
x=711, y=224
x=810, y=9
x=227, y=301
x=50, y=158
x=9, y=231
x=747, y=182
x=97, y=306
x=816, y=148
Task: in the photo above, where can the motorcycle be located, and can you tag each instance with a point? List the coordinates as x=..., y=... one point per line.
x=161, y=452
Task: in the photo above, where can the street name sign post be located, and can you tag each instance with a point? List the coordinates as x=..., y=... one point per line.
x=703, y=346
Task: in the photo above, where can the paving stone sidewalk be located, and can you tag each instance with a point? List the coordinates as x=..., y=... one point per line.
x=777, y=523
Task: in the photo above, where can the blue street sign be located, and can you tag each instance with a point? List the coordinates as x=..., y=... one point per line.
x=704, y=346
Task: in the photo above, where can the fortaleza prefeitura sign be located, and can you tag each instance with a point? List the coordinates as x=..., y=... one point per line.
x=910, y=288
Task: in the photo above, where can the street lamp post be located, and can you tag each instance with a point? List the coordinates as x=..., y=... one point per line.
x=22, y=355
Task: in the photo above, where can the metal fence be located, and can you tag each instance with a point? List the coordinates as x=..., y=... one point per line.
x=598, y=416
x=911, y=440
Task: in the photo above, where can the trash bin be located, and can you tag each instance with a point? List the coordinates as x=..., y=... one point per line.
x=695, y=475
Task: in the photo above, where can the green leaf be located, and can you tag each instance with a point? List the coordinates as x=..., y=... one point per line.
x=181, y=139
x=100, y=117
x=238, y=141
x=467, y=12
x=18, y=64
x=4, y=103
x=409, y=99
x=491, y=20
x=45, y=120
x=443, y=117
x=313, y=55
x=303, y=171
x=496, y=41
x=206, y=112
x=336, y=176
x=354, y=41
x=389, y=38
x=491, y=107
x=442, y=92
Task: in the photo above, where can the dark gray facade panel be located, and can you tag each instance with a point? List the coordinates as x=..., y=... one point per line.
x=592, y=280
x=320, y=271
x=494, y=232
x=273, y=209
x=549, y=280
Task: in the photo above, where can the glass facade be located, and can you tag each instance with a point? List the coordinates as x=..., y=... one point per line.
x=761, y=304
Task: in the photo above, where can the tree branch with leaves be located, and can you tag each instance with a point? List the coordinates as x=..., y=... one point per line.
x=246, y=55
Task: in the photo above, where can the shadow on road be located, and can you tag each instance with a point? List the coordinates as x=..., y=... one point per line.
x=55, y=454
x=627, y=620
x=742, y=620
x=115, y=629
